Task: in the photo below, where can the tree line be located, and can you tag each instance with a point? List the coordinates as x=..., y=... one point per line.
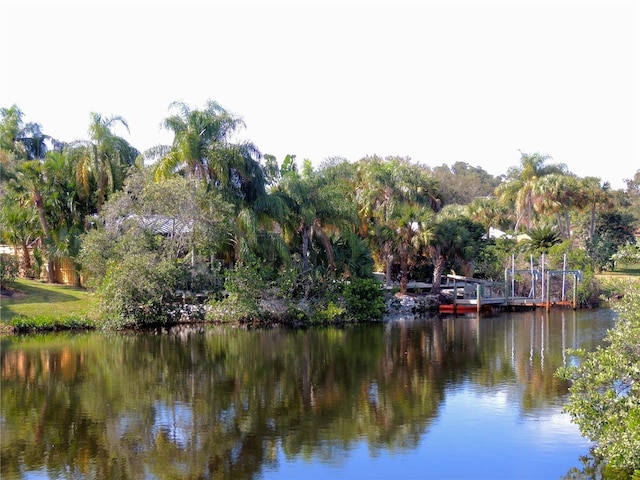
x=215, y=217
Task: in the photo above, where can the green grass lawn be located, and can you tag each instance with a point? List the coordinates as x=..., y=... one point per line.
x=33, y=299
x=623, y=272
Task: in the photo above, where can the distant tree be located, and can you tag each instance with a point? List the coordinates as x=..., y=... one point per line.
x=203, y=149
x=462, y=183
x=11, y=130
x=412, y=233
x=386, y=191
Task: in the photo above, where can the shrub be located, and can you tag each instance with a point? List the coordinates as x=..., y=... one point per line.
x=8, y=269
x=137, y=291
x=364, y=299
x=243, y=286
x=46, y=323
x=330, y=313
x=605, y=393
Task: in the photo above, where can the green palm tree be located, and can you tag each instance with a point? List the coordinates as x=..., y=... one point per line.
x=316, y=209
x=594, y=193
x=30, y=186
x=555, y=194
x=19, y=227
x=102, y=163
x=517, y=191
x=489, y=212
x=384, y=188
x=413, y=232
x=454, y=238
x=542, y=238
x=202, y=149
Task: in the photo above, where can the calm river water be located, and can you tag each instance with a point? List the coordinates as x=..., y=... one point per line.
x=425, y=397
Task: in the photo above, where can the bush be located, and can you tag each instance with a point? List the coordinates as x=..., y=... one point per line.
x=364, y=299
x=605, y=393
x=330, y=313
x=45, y=323
x=8, y=269
x=138, y=290
x=243, y=286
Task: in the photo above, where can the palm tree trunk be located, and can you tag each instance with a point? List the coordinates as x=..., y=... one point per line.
x=404, y=273
x=592, y=226
x=438, y=269
x=388, y=273
x=305, y=260
x=327, y=245
x=37, y=200
x=26, y=258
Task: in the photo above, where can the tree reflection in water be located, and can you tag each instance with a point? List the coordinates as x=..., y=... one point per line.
x=225, y=403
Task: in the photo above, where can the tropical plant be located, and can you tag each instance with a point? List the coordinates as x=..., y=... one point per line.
x=8, y=270
x=518, y=189
x=364, y=299
x=489, y=212
x=19, y=227
x=315, y=211
x=413, y=232
x=102, y=163
x=389, y=188
x=594, y=194
x=555, y=194
x=454, y=238
x=30, y=185
x=542, y=238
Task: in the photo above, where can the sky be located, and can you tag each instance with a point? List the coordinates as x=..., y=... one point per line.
x=439, y=81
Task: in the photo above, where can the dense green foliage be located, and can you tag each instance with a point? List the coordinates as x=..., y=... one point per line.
x=207, y=209
x=605, y=389
x=364, y=299
x=8, y=269
x=43, y=323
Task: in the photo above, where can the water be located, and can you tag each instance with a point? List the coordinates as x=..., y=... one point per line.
x=439, y=398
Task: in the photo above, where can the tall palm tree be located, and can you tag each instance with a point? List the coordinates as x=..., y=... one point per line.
x=555, y=194
x=19, y=227
x=387, y=185
x=594, y=193
x=454, y=237
x=517, y=191
x=102, y=162
x=202, y=147
x=413, y=232
x=30, y=185
x=315, y=211
x=489, y=212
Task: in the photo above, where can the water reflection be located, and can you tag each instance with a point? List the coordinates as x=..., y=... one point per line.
x=223, y=403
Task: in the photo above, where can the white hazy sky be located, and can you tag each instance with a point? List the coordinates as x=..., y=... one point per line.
x=438, y=81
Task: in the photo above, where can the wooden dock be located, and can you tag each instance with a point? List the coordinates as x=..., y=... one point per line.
x=480, y=296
